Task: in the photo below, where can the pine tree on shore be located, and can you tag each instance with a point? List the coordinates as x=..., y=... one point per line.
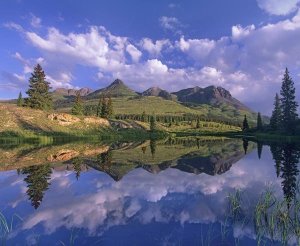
x=288, y=103
x=275, y=121
x=78, y=106
x=259, y=125
x=39, y=96
x=20, y=101
x=245, y=124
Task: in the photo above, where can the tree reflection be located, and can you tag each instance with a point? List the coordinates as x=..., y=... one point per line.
x=245, y=145
x=77, y=162
x=153, y=147
x=37, y=183
x=286, y=157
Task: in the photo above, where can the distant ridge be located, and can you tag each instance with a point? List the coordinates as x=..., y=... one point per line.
x=72, y=92
x=211, y=95
x=157, y=92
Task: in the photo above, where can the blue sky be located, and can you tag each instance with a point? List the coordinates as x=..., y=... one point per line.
x=243, y=46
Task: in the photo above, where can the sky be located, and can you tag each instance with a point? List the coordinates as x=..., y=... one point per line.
x=242, y=46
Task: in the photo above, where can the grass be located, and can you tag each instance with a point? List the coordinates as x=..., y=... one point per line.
x=160, y=106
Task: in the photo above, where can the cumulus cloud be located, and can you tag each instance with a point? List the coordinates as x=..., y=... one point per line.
x=155, y=48
x=249, y=62
x=170, y=24
x=134, y=52
x=35, y=22
x=276, y=7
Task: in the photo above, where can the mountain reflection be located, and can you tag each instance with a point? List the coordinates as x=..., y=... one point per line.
x=100, y=187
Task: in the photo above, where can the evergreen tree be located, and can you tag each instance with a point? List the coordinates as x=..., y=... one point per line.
x=110, y=110
x=99, y=107
x=20, y=101
x=288, y=103
x=37, y=183
x=104, y=111
x=245, y=124
x=259, y=125
x=275, y=121
x=143, y=118
x=152, y=123
x=198, y=123
x=39, y=96
x=78, y=106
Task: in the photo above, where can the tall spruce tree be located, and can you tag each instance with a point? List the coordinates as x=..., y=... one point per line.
x=245, y=124
x=39, y=96
x=259, y=125
x=78, y=106
x=275, y=121
x=110, y=110
x=104, y=108
x=288, y=103
x=20, y=101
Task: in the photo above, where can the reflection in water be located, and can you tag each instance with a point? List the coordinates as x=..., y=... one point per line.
x=185, y=203
x=37, y=178
x=286, y=158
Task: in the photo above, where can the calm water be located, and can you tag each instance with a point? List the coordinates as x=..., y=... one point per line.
x=173, y=192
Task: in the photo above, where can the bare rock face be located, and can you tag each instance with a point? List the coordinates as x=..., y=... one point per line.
x=93, y=152
x=63, y=155
x=96, y=121
x=64, y=119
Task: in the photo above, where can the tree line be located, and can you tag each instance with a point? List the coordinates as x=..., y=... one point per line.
x=284, y=119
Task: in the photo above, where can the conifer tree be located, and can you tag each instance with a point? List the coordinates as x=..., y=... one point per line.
x=275, y=121
x=152, y=123
x=20, y=101
x=39, y=96
x=99, y=107
x=143, y=116
x=110, y=110
x=104, y=109
x=245, y=124
x=78, y=106
x=288, y=103
x=259, y=122
x=198, y=123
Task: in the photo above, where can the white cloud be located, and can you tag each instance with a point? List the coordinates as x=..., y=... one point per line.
x=239, y=32
x=170, y=24
x=154, y=48
x=278, y=7
x=134, y=52
x=35, y=22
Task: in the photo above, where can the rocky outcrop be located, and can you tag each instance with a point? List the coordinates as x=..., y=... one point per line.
x=64, y=119
x=72, y=92
x=96, y=121
x=157, y=92
x=63, y=155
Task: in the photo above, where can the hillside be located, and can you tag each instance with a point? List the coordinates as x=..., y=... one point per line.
x=211, y=95
x=157, y=92
x=26, y=122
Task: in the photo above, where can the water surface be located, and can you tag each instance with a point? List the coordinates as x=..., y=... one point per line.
x=168, y=192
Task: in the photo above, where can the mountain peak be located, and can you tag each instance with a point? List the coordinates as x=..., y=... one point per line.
x=158, y=92
x=211, y=95
x=117, y=82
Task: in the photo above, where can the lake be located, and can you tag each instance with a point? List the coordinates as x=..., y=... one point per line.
x=177, y=191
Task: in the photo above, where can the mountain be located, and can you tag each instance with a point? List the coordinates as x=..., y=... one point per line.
x=211, y=95
x=115, y=89
x=72, y=92
x=157, y=92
